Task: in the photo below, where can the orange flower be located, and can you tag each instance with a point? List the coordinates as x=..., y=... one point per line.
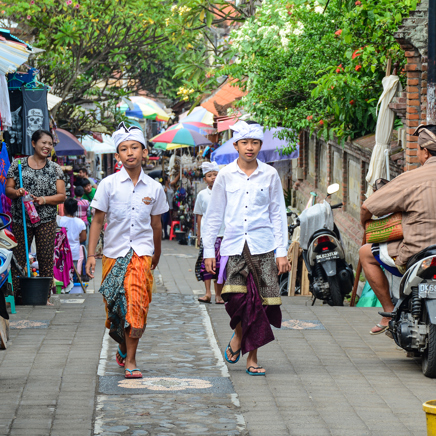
x=321, y=123
x=338, y=32
x=356, y=54
x=358, y=67
x=309, y=118
x=339, y=69
x=358, y=3
x=352, y=102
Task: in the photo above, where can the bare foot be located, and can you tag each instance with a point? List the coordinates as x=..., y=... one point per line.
x=205, y=299
x=49, y=304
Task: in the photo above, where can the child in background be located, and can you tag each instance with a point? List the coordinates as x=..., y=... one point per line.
x=82, y=205
x=210, y=172
x=88, y=195
x=76, y=228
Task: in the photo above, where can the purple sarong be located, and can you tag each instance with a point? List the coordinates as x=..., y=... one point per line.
x=203, y=274
x=246, y=275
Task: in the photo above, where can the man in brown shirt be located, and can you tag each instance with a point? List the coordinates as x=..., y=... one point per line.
x=414, y=194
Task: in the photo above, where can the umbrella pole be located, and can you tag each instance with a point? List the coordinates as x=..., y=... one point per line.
x=24, y=220
x=356, y=279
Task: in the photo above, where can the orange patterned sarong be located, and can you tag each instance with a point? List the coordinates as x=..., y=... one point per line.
x=138, y=284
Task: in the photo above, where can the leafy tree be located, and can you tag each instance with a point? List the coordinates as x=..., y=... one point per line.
x=316, y=64
x=96, y=52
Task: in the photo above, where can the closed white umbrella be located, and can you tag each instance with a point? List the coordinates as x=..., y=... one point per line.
x=383, y=131
x=97, y=147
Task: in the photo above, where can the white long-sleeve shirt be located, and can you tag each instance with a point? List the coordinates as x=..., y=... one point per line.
x=253, y=210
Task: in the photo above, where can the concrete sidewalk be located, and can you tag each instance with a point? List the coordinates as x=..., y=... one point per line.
x=325, y=374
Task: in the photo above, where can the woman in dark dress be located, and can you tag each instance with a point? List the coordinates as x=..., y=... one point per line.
x=44, y=180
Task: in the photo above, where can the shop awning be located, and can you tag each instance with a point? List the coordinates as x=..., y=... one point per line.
x=223, y=98
x=224, y=123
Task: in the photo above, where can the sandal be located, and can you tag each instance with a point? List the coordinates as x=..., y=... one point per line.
x=382, y=328
x=254, y=373
x=233, y=353
x=131, y=375
x=123, y=356
x=207, y=301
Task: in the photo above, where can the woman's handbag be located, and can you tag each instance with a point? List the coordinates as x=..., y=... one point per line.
x=385, y=229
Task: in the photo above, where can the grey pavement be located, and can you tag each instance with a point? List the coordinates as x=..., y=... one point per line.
x=325, y=374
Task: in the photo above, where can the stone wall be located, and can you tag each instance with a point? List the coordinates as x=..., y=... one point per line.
x=322, y=163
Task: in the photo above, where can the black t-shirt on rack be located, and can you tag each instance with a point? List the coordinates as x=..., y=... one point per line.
x=15, y=139
x=35, y=116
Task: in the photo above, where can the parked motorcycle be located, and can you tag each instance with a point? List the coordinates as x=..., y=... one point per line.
x=331, y=278
x=413, y=320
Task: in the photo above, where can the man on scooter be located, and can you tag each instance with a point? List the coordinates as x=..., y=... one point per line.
x=412, y=193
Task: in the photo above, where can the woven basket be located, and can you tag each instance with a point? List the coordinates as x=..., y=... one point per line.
x=384, y=229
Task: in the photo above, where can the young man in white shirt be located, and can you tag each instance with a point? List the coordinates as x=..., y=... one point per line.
x=248, y=197
x=210, y=172
x=133, y=204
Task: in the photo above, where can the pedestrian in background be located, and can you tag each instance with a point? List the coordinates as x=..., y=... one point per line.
x=89, y=194
x=248, y=196
x=44, y=180
x=82, y=205
x=76, y=228
x=167, y=217
x=210, y=172
x=133, y=203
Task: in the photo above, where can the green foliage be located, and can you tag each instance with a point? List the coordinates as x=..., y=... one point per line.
x=97, y=51
x=314, y=64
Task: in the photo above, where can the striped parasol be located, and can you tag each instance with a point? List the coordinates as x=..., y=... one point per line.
x=141, y=107
x=182, y=137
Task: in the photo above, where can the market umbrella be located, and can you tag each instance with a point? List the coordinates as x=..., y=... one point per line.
x=97, y=147
x=68, y=144
x=383, y=131
x=270, y=151
x=196, y=126
x=182, y=137
x=168, y=146
x=141, y=107
x=199, y=114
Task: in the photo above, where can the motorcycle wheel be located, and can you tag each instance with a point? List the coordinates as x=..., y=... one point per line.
x=284, y=287
x=429, y=356
x=336, y=297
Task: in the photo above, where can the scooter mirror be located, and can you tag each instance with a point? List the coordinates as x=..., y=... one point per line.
x=333, y=188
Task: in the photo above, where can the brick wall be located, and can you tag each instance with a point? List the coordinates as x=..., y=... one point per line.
x=411, y=104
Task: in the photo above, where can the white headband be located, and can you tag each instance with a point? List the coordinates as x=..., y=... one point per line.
x=242, y=130
x=124, y=133
x=207, y=167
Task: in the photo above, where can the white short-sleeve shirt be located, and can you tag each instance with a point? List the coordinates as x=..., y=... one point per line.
x=128, y=212
x=200, y=208
x=74, y=227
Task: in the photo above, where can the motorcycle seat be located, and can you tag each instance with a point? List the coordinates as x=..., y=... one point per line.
x=429, y=251
x=322, y=232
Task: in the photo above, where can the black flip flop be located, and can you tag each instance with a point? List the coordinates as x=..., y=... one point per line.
x=204, y=301
x=254, y=373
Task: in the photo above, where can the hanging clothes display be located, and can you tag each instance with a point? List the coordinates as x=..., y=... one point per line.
x=5, y=108
x=35, y=116
x=5, y=206
x=15, y=138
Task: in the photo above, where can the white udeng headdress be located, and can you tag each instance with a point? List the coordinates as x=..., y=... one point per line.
x=124, y=133
x=242, y=130
x=207, y=167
